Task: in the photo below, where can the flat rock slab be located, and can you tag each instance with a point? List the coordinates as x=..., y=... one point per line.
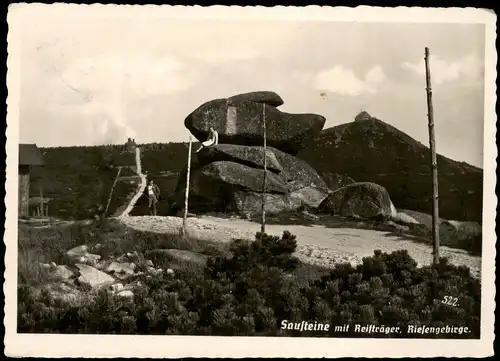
x=252, y=156
x=117, y=267
x=264, y=97
x=93, y=277
x=178, y=255
x=79, y=251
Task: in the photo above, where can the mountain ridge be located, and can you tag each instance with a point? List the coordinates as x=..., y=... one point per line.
x=369, y=149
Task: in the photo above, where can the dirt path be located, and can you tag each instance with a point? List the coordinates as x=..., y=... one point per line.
x=142, y=185
x=316, y=244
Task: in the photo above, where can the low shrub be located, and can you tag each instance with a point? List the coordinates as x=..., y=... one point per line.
x=256, y=288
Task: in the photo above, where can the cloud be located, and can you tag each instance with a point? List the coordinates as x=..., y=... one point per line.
x=107, y=84
x=375, y=75
x=139, y=74
x=343, y=81
x=467, y=68
x=221, y=56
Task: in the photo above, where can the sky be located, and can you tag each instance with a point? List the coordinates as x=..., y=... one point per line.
x=91, y=80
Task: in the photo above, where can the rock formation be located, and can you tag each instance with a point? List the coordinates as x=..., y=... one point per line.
x=238, y=120
x=229, y=177
x=360, y=200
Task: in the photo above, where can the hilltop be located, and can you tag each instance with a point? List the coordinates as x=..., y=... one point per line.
x=78, y=180
x=368, y=149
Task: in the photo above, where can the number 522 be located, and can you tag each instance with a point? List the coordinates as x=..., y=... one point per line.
x=451, y=301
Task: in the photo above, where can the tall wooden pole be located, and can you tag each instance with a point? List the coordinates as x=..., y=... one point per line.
x=432, y=142
x=263, y=221
x=184, y=221
x=41, y=206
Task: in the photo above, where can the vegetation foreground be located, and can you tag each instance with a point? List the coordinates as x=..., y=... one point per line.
x=244, y=288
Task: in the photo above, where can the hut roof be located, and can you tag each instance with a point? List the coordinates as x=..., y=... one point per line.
x=29, y=154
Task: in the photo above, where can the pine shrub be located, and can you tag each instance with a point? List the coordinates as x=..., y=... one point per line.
x=254, y=289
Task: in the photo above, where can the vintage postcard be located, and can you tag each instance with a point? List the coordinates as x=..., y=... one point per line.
x=248, y=181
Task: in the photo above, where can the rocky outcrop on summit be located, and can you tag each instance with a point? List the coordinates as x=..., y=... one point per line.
x=239, y=121
x=361, y=200
x=370, y=150
x=229, y=177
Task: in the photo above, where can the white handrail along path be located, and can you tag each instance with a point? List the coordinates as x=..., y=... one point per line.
x=142, y=186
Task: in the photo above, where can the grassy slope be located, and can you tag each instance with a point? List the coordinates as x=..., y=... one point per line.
x=79, y=180
x=377, y=152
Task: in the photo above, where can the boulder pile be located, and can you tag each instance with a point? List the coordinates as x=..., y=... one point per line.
x=87, y=272
x=228, y=177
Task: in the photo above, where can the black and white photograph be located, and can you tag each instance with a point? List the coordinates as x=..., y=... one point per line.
x=250, y=181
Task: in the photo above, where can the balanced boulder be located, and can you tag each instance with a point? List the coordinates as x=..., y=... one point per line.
x=240, y=121
x=365, y=200
x=264, y=97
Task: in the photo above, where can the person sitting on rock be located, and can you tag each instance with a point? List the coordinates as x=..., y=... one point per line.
x=153, y=194
x=213, y=139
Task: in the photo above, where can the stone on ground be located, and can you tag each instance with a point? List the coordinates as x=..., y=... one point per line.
x=360, y=200
x=177, y=255
x=121, y=270
x=93, y=277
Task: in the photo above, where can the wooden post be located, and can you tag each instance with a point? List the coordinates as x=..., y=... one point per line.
x=40, y=206
x=432, y=143
x=186, y=198
x=111, y=192
x=263, y=221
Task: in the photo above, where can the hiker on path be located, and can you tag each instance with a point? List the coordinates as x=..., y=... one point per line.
x=153, y=194
x=213, y=139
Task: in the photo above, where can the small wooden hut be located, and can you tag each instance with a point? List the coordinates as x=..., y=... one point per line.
x=29, y=156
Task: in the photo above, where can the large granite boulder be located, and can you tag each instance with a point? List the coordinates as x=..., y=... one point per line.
x=240, y=121
x=251, y=156
x=250, y=203
x=213, y=186
x=220, y=171
x=464, y=235
x=296, y=173
x=336, y=181
x=264, y=97
x=364, y=199
x=309, y=196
